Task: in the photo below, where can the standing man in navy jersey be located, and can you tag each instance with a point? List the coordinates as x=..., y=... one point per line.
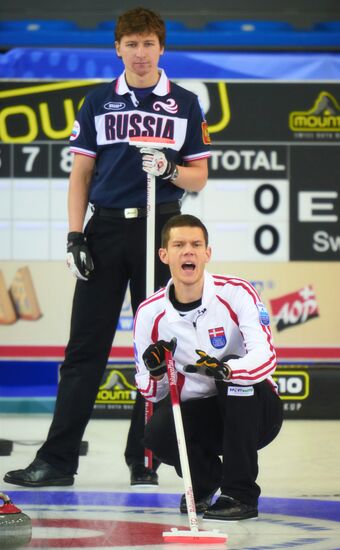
x=109, y=254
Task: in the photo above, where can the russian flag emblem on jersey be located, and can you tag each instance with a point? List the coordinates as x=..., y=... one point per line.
x=217, y=337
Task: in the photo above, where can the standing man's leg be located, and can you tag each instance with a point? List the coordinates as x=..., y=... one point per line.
x=92, y=329
x=96, y=308
x=134, y=452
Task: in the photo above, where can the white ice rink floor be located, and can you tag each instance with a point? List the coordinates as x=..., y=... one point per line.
x=299, y=506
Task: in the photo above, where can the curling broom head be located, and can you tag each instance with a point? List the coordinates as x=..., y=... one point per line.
x=194, y=537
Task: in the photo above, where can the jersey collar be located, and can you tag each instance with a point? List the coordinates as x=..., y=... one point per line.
x=208, y=295
x=162, y=87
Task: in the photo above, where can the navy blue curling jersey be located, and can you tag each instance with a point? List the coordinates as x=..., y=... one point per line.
x=111, y=116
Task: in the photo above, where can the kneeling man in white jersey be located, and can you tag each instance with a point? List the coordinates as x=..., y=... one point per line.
x=224, y=358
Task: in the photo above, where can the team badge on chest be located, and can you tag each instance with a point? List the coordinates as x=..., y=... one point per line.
x=217, y=337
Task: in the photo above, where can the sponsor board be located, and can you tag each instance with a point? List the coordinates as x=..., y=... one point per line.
x=117, y=392
x=309, y=391
x=295, y=308
x=297, y=320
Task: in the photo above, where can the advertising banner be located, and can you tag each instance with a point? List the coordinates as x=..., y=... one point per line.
x=307, y=390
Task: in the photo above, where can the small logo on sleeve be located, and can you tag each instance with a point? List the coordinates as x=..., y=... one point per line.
x=205, y=133
x=263, y=314
x=75, y=130
x=217, y=337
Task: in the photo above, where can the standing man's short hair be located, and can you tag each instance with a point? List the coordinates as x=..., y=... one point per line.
x=140, y=21
x=182, y=220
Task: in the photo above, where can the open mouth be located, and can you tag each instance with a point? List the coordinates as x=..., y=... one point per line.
x=188, y=266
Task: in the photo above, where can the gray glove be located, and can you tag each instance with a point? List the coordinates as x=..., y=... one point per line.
x=156, y=163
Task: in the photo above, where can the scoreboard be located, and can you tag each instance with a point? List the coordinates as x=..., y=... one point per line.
x=267, y=202
x=274, y=180
x=33, y=203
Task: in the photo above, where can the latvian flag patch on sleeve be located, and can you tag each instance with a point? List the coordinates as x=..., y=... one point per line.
x=217, y=337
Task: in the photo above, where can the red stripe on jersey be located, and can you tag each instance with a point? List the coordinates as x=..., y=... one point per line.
x=150, y=390
x=232, y=313
x=83, y=153
x=235, y=281
x=157, y=296
x=153, y=388
x=258, y=372
x=154, y=332
x=249, y=376
x=252, y=292
x=199, y=157
x=268, y=331
x=260, y=367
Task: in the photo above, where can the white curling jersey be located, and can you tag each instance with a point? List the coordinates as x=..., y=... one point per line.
x=232, y=320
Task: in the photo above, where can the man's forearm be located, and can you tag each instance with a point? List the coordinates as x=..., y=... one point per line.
x=191, y=178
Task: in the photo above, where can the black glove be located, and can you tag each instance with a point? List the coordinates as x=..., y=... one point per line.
x=78, y=256
x=156, y=164
x=210, y=366
x=154, y=356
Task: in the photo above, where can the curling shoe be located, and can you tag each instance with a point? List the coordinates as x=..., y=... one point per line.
x=230, y=509
x=201, y=504
x=140, y=476
x=39, y=474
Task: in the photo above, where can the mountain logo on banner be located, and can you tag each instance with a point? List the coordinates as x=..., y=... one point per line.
x=115, y=389
x=324, y=116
